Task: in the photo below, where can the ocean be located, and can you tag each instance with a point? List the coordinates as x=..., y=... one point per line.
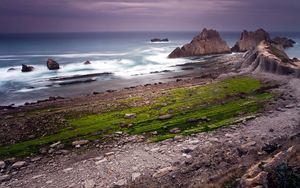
x=124, y=54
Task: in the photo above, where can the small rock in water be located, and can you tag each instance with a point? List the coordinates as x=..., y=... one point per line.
x=164, y=117
x=19, y=164
x=175, y=130
x=130, y=116
x=80, y=143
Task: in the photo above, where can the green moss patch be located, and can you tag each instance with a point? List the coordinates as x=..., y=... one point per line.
x=191, y=109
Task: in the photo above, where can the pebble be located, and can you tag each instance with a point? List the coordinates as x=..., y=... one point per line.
x=164, y=117
x=89, y=183
x=120, y=183
x=2, y=164
x=163, y=171
x=67, y=169
x=80, y=143
x=130, y=116
x=249, y=144
x=194, y=142
x=135, y=175
x=175, y=130
x=109, y=154
x=290, y=106
x=38, y=176
x=49, y=182
x=55, y=144
x=100, y=161
x=19, y=164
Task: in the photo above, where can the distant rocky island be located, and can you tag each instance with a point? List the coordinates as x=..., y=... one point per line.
x=160, y=40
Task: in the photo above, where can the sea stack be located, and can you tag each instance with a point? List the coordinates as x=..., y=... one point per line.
x=284, y=42
x=26, y=68
x=268, y=57
x=250, y=40
x=207, y=42
x=52, y=65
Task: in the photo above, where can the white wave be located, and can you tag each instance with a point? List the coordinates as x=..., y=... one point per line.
x=24, y=90
x=71, y=55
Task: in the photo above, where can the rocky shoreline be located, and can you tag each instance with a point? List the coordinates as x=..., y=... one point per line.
x=243, y=147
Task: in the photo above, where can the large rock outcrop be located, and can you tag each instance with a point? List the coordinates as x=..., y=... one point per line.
x=249, y=40
x=269, y=57
x=207, y=42
x=52, y=65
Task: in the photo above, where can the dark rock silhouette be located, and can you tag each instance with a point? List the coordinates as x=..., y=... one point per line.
x=249, y=40
x=87, y=63
x=207, y=42
x=284, y=42
x=52, y=65
x=27, y=68
x=159, y=40
x=268, y=57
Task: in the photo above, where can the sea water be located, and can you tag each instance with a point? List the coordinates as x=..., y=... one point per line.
x=124, y=54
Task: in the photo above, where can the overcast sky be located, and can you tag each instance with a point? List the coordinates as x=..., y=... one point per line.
x=145, y=15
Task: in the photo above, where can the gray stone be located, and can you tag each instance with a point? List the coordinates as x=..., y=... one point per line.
x=55, y=144
x=135, y=175
x=19, y=164
x=130, y=116
x=164, y=117
x=2, y=164
x=80, y=143
x=5, y=177
x=89, y=183
x=175, y=130
x=120, y=183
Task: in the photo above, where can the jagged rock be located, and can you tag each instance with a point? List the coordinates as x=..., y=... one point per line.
x=249, y=40
x=207, y=42
x=5, y=177
x=52, y=65
x=159, y=40
x=284, y=42
x=19, y=164
x=267, y=57
x=26, y=68
x=87, y=63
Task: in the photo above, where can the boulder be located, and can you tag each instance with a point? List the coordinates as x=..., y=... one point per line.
x=268, y=57
x=52, y=65
x=207, y=42
x=284, y=42
x=159, y=40
x=250, y=40
x=18, y=164
x=26, y=68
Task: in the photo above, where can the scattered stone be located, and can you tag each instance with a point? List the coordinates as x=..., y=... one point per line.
x=55, y=144
x=165, y=117
x=120, y=183
x=67, y=169
x=163, y=171
x=2, y=165
x=38, y=176
x=194, y=142
x=35, y=159
x=290, y=106
x=130, y=116
x=109, y=154
x=80, y=143
x=175, y=130
x=89, y=183
x=249, y=144
x=187, y=150
x=213, y=139
x=270, y=148
x=119, y=132
x=49, y=182
x=5, y=177
x=100, y=161
x=135, y=175
x=18, y=164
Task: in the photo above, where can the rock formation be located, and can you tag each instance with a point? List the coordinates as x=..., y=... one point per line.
x=26, y=68
x=268, y=57
x=52, y=65
x=207, y=42
x=159, y=40
x=249, y=40
x=87, y=63
x=284, y=42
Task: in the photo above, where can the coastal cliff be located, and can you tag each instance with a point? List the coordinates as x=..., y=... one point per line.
x=269, y=57
x=207, y=42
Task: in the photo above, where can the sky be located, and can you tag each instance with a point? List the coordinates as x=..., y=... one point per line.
x=147, y=15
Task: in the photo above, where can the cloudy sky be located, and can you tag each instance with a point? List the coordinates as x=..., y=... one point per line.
x=145, y=15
